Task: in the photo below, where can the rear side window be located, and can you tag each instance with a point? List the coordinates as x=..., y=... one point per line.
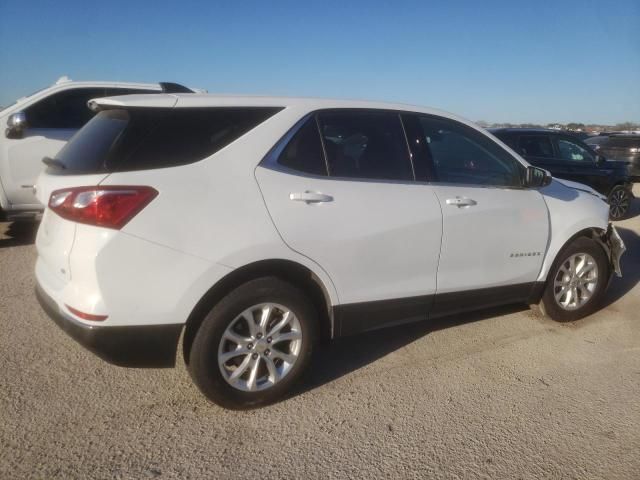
x=365, y=145
x=64, y=110
x=304, y=151
x=535, y=146
x=148, y=138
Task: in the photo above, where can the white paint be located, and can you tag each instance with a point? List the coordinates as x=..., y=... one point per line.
x=375, y=240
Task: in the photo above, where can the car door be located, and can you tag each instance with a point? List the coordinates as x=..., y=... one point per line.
x=580, y=164
x=340, y=189
x=495, y=232
x=51, y=121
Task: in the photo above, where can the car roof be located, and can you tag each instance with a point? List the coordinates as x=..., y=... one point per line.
x=222, y=100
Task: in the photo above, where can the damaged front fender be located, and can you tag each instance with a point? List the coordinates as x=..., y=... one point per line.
x=614, y=246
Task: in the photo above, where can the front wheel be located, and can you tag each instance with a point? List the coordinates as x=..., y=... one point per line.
x=254, y=344
x=577, y=281
x=619, y=202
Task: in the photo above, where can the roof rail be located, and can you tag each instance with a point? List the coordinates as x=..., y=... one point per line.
x=170, y=87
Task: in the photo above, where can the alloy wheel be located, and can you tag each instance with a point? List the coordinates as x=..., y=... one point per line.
x=576, y=281
x=619, y=203
x=260, y=347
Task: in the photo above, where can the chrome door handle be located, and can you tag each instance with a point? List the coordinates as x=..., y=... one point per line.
x=310, y=197
x=461, y=202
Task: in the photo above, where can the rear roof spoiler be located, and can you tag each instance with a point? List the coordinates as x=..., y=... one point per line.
x=170, y=87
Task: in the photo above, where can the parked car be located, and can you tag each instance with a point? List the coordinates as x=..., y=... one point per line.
x=580, y=135
x=38, y=126
x=258, y=225
x=567, y=157
x=621, y=147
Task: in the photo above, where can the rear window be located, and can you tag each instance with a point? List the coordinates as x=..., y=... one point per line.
x=148, y=138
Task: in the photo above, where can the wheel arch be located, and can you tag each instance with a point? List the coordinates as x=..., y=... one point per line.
x=288, y=270
x=594, y=233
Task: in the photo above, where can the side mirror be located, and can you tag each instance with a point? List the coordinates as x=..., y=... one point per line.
x=16, y=123
x=537, y=177
x=600, y=159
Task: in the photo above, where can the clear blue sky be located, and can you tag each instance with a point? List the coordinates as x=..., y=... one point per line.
x=510, y=61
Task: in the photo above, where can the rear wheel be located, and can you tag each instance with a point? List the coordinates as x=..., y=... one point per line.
x=254, y=344
x=577, y=281
x=619, y=202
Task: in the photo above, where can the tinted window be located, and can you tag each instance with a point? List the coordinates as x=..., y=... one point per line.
x=596, y=140
x=147, y=138
x=462, y=155
x=67, y=109
x=510, y=140
x=535, y=146
x=114, y=92
x=304, y=151
x=367, y=145
x=569, y=150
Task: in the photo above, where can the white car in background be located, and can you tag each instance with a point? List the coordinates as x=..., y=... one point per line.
x=39, y=125
x=257, y=225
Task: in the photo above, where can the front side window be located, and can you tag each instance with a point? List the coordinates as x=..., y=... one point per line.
x=462, y=155
x=570, y=150
x=365, y=145
x=535, y=146
x=63, y=110
x=149, y=138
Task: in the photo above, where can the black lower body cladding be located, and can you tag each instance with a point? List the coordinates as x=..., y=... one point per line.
x=141, y=346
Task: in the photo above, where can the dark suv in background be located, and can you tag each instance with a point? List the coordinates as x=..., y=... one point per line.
x=623, y=147
x=565, y=156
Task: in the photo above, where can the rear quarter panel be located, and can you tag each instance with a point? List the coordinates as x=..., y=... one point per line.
x=213, y=209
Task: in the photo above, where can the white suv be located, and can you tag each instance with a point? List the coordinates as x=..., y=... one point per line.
x=258, y=225
x=39, y=125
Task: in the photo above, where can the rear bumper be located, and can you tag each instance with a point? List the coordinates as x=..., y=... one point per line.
x=140, y=346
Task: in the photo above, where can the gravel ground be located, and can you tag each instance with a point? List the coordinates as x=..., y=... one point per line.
x=503, y=393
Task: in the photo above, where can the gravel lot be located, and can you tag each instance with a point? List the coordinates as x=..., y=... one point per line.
x=499, y=394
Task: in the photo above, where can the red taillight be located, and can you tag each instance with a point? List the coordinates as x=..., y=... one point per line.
x=110, y=207
x=87, y=316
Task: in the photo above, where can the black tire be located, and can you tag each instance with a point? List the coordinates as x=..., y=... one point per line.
x=548, y=304
x=203, y=359
x=619, y=202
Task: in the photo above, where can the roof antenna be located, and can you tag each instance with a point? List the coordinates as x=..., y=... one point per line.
x=63, y=79
x=170, y=87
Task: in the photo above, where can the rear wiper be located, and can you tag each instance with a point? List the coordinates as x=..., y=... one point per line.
x=53, y=162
